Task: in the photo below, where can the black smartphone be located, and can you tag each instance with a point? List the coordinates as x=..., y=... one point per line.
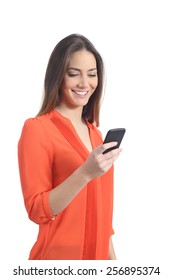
x=114, y=135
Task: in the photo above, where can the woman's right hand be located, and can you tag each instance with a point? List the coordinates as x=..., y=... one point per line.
x=98, y=163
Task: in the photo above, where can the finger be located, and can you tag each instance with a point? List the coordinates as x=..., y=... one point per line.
x=113, y=153
x=103, y=147
x=107, y=162
x=108, y=146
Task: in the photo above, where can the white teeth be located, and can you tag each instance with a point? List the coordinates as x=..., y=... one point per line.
x=82, y=93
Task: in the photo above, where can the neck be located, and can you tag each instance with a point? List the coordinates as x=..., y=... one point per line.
x=75, y=115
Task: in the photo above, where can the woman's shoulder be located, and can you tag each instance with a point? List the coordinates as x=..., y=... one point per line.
x=36, y=124
x=35, y=133
x=34, y=120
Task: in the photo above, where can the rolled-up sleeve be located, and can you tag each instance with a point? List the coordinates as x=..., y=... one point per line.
x=35, y=158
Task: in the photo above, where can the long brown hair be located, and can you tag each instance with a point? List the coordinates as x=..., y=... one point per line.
x=55, y=72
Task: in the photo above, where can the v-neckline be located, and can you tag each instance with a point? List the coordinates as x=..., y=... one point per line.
x=55, y=114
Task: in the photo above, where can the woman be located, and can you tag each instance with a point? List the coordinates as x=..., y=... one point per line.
x=67, y=181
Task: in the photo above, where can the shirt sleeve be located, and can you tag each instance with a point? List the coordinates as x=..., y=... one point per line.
x=35, y=168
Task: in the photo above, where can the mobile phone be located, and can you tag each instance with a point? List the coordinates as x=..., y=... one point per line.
x=114, y=135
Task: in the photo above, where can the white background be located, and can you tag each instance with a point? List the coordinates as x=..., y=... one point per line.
x=135, y=39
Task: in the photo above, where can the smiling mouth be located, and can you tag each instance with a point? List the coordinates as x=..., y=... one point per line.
x=80, y=93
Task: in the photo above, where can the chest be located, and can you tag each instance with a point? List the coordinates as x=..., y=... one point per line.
x=83, y=134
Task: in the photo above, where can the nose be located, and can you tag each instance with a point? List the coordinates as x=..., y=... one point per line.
x=83, y=81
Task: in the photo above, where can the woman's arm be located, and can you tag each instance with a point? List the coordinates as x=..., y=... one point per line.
x=96, y=165
x=112, y=255
x=35, y=155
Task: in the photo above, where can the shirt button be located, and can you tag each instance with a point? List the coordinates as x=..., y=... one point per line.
x=53, y=218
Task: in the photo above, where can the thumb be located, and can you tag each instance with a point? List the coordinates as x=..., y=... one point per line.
x=103, y=147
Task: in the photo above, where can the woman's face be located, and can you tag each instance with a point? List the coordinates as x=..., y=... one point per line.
x=80, y=80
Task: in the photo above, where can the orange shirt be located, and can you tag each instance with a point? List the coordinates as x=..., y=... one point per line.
x=49, y=151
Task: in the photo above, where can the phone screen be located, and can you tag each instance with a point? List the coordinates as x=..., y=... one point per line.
x=114, y=135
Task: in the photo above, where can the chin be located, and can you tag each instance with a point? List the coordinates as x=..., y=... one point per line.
x=82, y=102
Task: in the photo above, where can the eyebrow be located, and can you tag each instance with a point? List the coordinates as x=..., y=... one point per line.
x=77, y=69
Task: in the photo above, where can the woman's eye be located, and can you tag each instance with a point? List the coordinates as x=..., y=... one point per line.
x=72, y=74
x=77, y=74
